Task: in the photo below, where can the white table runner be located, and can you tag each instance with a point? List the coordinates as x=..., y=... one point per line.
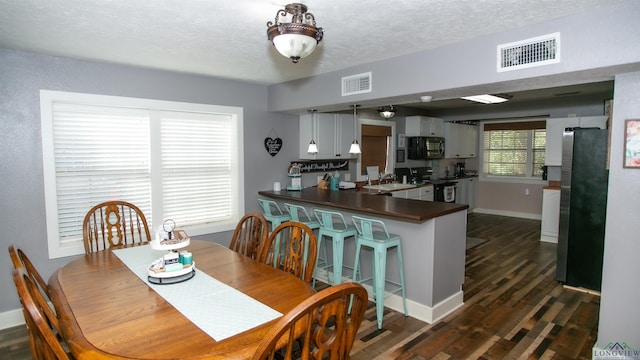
x=218, y=309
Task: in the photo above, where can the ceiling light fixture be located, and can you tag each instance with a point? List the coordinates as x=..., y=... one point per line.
x=294, y=33
x=387, y=112
x=313, y=148
x=485, y=99
x=355, y=147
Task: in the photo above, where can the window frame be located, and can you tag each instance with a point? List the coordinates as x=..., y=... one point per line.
x=47, y=100
x=509, y=179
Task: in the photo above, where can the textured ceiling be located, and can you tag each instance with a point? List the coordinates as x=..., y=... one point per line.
x=227, y=38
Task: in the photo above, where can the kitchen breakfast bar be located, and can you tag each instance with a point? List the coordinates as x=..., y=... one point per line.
x=433, y=243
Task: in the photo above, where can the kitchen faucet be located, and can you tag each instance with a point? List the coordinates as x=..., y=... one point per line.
x=382, y=177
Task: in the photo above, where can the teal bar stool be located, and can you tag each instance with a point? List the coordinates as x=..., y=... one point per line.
x=373, y=233
x=333, y=225
x=272, y=213
x=299, y=214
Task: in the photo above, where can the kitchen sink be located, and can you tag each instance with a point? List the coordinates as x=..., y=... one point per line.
x=389, y=187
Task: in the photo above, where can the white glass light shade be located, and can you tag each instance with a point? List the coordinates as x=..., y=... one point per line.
x=313, y=148
x=355, y=148
x=294, y=32
x=387, y=114
x=295, y=46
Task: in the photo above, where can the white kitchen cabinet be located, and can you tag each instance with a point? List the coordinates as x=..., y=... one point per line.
x=424, y=193
x=467, y=192
x=462, y=191
x=423, y=126
x=333, y=134
x=413, y=193
x=345, y=133
x=471, y=136
x=461, y=140
x=473, y=193
x=555, y=129
x=553, y=147
x=550, y=215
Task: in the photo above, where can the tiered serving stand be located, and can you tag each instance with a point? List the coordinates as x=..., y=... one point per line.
x=165, y=242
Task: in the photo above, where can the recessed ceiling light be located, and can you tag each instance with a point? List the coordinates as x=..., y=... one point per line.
x=485, y=99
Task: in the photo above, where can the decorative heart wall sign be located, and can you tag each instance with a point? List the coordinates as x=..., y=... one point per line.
x=273, y=146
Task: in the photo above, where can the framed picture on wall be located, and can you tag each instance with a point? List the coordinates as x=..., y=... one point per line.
x=632, y=143
x=401, y=141
x=400, y=155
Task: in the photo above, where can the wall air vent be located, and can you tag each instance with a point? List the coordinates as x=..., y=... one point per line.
x=537, y=51
x=356, y=84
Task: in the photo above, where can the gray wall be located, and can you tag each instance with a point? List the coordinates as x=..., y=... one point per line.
x=595, y=46
x=22, y=75
x=619, y=310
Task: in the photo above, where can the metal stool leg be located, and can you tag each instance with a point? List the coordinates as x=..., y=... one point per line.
x=379, y=280
x=325, y=263
x=400, y=270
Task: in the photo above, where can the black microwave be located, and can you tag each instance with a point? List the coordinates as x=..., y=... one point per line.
x=425, y=147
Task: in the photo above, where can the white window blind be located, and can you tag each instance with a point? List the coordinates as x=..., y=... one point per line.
x=101, y=153
x=514, y=149
x=194, y=158
x=173, y=160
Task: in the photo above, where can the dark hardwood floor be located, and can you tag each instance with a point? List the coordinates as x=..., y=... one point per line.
x=513, y=308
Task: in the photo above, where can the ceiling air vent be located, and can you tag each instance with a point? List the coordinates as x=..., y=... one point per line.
x=537, y=51
x=356, y=84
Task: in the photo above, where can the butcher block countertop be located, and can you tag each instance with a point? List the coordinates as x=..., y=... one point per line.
x=553, y=185
x=359, y=201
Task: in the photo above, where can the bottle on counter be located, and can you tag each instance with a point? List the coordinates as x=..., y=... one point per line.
x=335, y=180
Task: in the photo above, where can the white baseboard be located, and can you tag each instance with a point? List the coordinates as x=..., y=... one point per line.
x=416, y=310
x=425, y=313
x=516, y=214
x=11, y=318
x=549, y=239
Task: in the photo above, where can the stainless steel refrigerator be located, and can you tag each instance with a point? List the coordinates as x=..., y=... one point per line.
x=583, y=206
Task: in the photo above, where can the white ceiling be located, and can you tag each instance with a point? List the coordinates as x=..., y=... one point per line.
x=227, y=38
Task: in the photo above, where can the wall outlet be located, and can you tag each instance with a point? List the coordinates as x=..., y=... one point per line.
x=347, y=177
x=319, y=179
x=526, y=192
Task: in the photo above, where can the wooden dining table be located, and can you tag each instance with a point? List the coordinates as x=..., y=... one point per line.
x=107, y=312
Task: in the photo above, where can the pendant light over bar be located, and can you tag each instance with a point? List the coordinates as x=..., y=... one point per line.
x=294, y=33
x=355, y=147
x=313, y=148
x=387, y=112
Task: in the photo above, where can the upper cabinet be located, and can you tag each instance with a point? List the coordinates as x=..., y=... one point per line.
x=333, y=134
x=461, y=140
x=555, y=129
x=423, y=126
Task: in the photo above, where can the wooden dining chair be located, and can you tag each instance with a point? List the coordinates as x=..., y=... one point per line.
x=250, y=235
x=42, y=326
x=114, y=223
x=291, y=247
x=21, y=261
x=320, y=327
